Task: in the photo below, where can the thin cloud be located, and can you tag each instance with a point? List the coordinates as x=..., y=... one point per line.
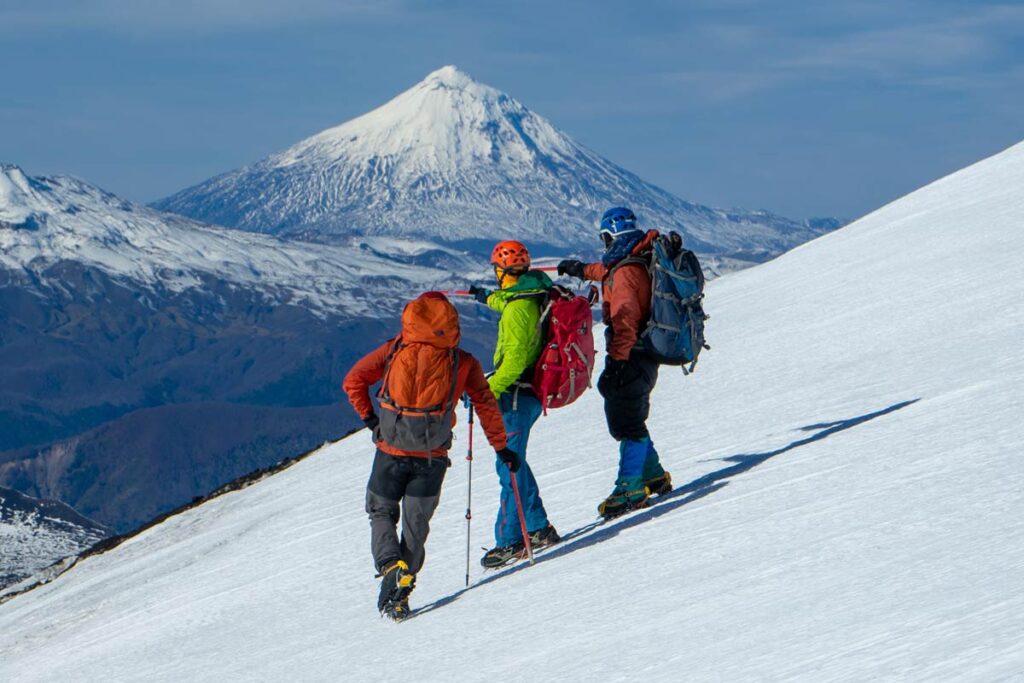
x=934, y=44
x=158, y=16
x=940, y=53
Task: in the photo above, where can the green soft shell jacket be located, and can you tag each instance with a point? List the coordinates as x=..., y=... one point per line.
x=519, y=336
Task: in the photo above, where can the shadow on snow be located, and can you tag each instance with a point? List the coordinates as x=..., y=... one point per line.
x=705, y=485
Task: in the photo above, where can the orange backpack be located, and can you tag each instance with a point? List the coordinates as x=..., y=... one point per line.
x=417, y=395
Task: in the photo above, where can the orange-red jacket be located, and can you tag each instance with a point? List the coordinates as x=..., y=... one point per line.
x=470, y=379
x=627, y=298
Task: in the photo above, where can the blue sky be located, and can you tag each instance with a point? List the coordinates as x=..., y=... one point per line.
x=803, y=108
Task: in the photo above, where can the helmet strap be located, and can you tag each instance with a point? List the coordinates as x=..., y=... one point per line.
x=506, y=278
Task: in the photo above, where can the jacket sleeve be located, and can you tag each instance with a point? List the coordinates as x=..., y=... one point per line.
x=629, y=305
x=364, y=374
x=594, y=272
x=519, y=325
x=484, y=403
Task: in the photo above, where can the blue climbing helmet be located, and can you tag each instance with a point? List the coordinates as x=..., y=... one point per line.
x=617, y=222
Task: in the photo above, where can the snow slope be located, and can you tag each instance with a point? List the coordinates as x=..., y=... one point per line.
x=848, y=506
x=44, y=221
x=455, y=160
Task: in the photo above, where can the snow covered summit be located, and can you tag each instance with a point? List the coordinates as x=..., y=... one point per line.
x=847, y=507
x=453, y=159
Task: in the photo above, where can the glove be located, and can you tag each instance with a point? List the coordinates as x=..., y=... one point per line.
x=510, y=458
x=371, y=421
x=612, y=375
x=480, y=294
x=572, y=268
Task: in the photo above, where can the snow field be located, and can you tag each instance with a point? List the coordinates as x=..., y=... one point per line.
x=848, y=506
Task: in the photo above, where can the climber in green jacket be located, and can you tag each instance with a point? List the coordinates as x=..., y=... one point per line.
x=520, y=341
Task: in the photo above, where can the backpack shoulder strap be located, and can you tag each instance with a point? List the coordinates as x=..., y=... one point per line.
x=383, y=392
x=456, y=353
x=645, y=261
x=538, y=294
x=543, y=298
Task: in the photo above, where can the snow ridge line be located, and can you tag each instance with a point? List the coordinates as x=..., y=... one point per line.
x=65, y=564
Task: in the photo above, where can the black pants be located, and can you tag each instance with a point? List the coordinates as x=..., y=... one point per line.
x=627, y=401
x=413, y=483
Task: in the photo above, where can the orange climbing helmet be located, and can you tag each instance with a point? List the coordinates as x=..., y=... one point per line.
x=511, y=256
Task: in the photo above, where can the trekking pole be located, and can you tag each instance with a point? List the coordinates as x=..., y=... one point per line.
x=456, y=292
x=522, y=518
x=469, y=491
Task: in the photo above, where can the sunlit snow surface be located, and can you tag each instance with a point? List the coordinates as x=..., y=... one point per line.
x=848, y=506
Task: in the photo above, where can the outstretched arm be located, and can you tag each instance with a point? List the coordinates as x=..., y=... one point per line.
x=594, y=272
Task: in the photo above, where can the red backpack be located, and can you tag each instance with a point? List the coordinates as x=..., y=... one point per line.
x=566, y=362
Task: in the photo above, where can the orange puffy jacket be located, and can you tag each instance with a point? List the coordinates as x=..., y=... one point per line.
x=421, y=368
x=627, y=298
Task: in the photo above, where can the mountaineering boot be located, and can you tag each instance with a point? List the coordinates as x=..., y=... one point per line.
x=502, y=555
x=395, y=587
x=544, y=537
x=660, y=485
x=629, y=494
x=396, y=611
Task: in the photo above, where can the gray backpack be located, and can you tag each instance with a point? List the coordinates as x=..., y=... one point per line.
x=674, y=334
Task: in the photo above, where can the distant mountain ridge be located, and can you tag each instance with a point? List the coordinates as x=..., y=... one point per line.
x=148, y=358
x=134, y=340
x=454, y=160
x=46, y=221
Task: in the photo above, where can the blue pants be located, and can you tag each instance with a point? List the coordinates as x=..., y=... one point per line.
x=518, y=423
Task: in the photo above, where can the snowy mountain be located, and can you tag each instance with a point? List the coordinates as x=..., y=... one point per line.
x=36, y=533
x=848, y=506
x=454, y=160
x=136, y=344
x=46, y=221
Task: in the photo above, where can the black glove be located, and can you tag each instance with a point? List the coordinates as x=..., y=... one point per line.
x=612, y=376
x=371, y=422
x=571, y=267
x=480, y=294
x=510, y=458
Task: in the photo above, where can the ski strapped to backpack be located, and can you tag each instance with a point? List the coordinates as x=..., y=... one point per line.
x=566, y=362
x=674, y=334
x=417, y=428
